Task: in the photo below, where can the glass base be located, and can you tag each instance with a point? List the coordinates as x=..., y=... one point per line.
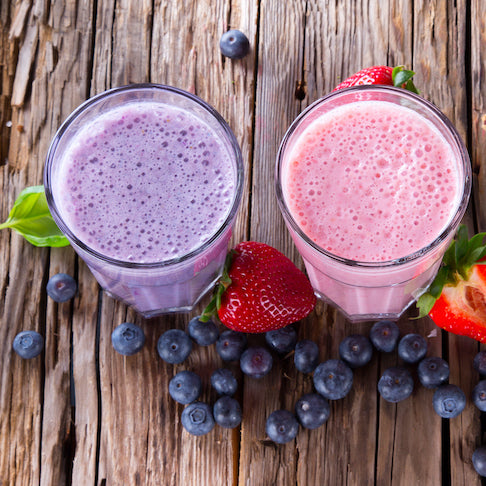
x=156, y=311
x=355, y=318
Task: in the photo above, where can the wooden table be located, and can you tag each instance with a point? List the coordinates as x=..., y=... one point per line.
x=82, y=414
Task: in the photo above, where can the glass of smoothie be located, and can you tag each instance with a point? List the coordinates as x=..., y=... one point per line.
x=372, y=182
x=145, y=181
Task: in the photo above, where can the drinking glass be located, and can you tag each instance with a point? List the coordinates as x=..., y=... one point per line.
x=170, y=285
x=368, y=290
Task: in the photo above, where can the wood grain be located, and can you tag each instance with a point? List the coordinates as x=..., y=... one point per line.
x=82, y=414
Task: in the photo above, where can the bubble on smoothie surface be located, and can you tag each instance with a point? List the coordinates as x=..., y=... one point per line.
x=146, y=183
x=371, y=182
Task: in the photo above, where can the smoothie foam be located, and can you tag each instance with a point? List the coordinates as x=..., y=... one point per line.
x=145, y=182
x=371, y=181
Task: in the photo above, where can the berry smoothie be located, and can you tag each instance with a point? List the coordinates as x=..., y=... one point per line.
x=145, y=190
x=370, y=184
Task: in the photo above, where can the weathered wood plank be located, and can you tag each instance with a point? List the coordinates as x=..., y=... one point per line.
x=281, y=24
x=441, y=53
x=478, y=109
x=29, y=437
x=56, y=417
x=85, y=380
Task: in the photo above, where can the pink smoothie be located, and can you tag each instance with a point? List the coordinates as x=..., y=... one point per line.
x=145, y=182
x=371, y=181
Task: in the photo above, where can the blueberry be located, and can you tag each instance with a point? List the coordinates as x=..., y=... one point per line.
x=356, y=350
x=479, y=395
x=203, y=333
x=282, y=340
x=61, y=287
x=306, y=356
x=433, y=371
x=28, y=344
x=479, y=460
x=312, y=410
x=479, y=362
x=127, y=338
x=230, y=345
x=227, y=412
x=197, y=418
x=412, y=348
x=174, y=346
x=185, y=387
x=224, y=382
x=384, y=336
x=234, y=44
x=449, y=401
x=395, y=384
x=333, y=379
x=256, y=362
x=282, y=426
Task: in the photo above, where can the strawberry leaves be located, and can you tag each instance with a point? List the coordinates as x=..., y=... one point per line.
x=402, y=78
x=458, y=260
x=224, y=282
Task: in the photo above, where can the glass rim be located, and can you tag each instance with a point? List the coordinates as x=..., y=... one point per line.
x=456, y=140
x=82, y=108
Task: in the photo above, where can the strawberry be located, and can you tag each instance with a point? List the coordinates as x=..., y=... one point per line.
x=456, y=299
x=260, y=290
x=397, y=76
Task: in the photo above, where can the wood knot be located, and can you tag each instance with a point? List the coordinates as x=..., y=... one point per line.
x=300, y=90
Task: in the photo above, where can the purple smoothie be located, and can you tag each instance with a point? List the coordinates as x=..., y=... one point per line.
x=145, y=182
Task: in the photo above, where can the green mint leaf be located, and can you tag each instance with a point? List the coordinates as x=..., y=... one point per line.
x=31, y=218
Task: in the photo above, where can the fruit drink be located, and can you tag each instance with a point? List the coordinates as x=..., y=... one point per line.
x=372, y=184
x=145, y=181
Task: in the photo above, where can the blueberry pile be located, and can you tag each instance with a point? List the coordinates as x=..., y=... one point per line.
x=332, y=379
x=174, y=346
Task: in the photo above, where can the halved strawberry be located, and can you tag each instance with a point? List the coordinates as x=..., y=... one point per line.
x=384, y=75
x=456, y=299
x=260, y=290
